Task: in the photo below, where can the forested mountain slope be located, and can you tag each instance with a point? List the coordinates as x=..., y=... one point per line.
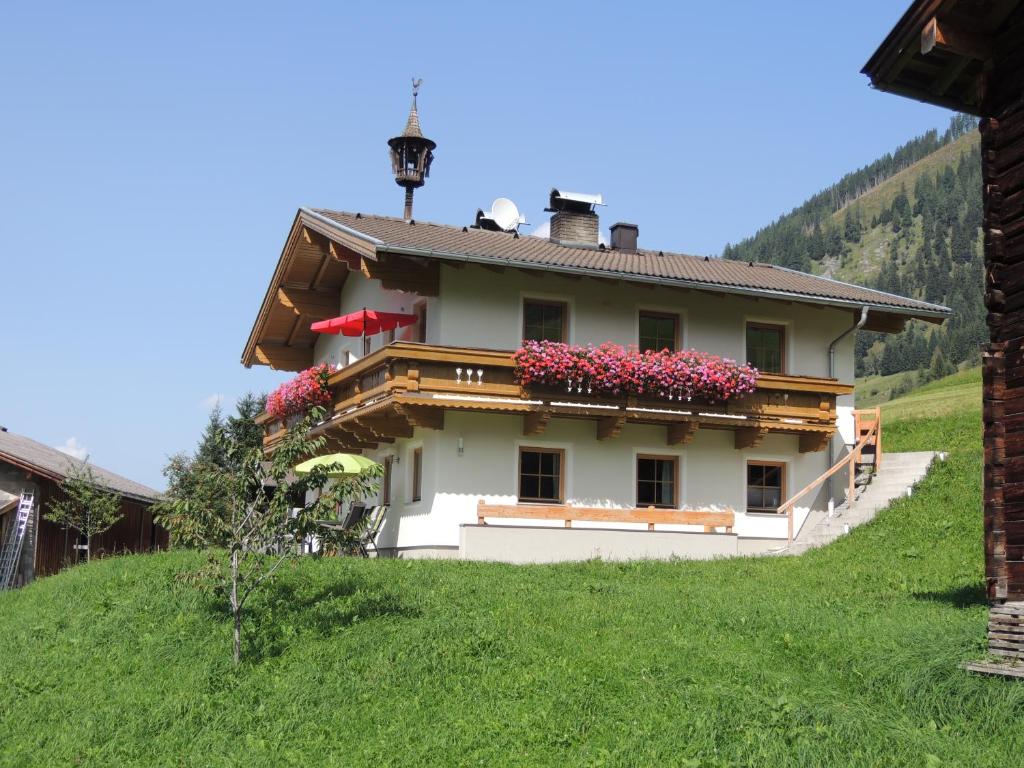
x=908, y=223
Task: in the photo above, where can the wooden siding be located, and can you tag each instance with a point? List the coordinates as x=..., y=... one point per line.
x=1002, y=148
x=54, y=546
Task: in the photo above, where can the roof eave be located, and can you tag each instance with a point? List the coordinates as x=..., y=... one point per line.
x=57, y=477
x=937, y=313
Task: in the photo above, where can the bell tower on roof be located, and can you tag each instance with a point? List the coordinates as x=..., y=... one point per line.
x=411, y=153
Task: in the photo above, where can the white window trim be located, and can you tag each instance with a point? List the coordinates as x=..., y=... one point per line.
x=775, y=458
x=787, y=350
x=570, y=305
x=526, y=442
x=407, y=501
x=679, y=312
x=680, y=456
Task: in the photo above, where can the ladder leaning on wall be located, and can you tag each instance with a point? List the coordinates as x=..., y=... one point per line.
x=11, y=552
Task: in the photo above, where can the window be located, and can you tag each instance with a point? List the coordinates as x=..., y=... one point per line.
x=544, y=320
x=656, y=481
x=389, y=337
x=658, y=331
x=385, y=481
x=540, y=474
x=366, y=345
x=417, y=474
x=766, y=347
x=766, y=486
x=420, y=328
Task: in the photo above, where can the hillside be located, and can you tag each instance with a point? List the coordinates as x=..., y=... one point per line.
x=844, y=656
x=960, y=392
x=911, y=227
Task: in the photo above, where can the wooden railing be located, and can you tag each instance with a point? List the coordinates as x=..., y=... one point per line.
x=651, y=516
x=440, y=376
x=868, y=432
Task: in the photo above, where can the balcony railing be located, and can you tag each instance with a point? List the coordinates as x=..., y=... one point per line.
x=405, y=385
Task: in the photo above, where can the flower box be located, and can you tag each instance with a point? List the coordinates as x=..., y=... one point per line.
x=307, y=390
x=610, y=370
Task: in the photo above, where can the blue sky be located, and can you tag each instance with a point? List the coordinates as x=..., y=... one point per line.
x=153, y=158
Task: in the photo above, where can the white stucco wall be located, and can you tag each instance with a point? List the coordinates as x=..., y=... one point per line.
x=479, y=308
x=597, y=473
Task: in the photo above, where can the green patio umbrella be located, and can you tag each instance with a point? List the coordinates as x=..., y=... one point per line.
x=348, y=464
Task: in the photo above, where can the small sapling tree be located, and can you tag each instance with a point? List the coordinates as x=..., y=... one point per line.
x=258, y=512
x=84, y=505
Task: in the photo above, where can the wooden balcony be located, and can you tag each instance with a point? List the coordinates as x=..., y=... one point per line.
x=394, y=390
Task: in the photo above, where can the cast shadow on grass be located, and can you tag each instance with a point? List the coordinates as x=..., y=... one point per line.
x=287, y=611
x=967, y=596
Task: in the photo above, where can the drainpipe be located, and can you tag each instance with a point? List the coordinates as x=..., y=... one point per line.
x=832, y=373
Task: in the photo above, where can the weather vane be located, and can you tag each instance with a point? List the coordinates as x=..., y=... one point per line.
x=416, y=83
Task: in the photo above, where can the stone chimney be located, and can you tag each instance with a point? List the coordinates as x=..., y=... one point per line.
x=624, y=236
x=574, y=221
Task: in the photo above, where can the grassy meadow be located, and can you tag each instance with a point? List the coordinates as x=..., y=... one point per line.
x=845, y=656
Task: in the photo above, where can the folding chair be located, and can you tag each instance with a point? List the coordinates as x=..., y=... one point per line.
x=375, y=520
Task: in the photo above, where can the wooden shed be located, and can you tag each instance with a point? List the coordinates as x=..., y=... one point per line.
x=968, y=55
x=27, y=465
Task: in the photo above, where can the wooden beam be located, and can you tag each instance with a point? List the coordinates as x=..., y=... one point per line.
x=364, y=433
x=812, y=442
x=346, y=257
x=749, y=437
x=318, y=278
x=284, y=358
x=315, y=304
x=952, y=71
x=387, y=427
x=349, y=439
x=296, y=329
x=399, y=274
x=944, y=36
x=610, y=426
x=536, y=422
x=681, y=432
x=419, y=416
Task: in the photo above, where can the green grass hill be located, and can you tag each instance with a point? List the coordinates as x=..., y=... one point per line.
x=845, y=656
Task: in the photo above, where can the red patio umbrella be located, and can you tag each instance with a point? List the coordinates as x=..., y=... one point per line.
x=365, y=322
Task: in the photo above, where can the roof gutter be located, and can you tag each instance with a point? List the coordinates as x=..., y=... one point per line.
x=338, y=225
x=938, y=312
x=832, y=374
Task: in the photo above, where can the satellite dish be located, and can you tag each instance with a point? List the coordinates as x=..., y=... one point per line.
x=505, y=214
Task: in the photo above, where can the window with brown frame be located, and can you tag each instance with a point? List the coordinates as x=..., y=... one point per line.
x=540, y=475
x=766, y=486
x=658, y=331
x=545, y=320
x=417, y=474
x=766, y=347
x=385, y=481
x=657, y=478
x=419, y=328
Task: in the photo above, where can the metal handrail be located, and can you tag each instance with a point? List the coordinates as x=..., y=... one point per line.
x=850, y=459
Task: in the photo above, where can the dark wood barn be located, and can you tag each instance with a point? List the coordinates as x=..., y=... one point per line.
x=26, y=465
x=968, y=55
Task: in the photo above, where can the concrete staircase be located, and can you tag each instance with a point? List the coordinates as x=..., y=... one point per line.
x=899, y=474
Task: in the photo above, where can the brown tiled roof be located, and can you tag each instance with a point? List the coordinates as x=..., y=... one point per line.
x=26, y=452
x=708, y=273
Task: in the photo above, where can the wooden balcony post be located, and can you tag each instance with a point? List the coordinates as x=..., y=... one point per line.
x=878, y=438
x=853, y=477
x=789, y=524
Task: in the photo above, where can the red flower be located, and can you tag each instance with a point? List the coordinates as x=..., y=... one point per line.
x=308, y=389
